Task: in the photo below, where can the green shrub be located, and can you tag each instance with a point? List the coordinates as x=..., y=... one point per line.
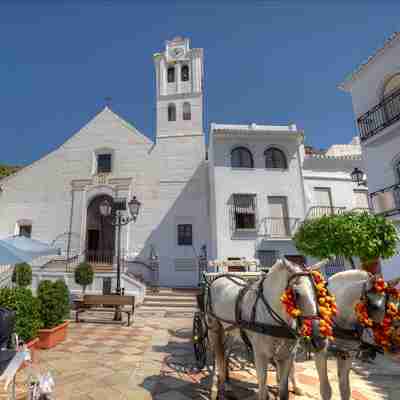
x=26, y=307
x=53, y=302
x=361, y=235
x=22, y=275
x=84, y=275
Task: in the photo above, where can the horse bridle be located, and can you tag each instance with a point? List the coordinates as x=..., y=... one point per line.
x=307, y=273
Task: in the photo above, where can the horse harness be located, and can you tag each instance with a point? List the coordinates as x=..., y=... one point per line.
x=365, y=349
x=281, y=330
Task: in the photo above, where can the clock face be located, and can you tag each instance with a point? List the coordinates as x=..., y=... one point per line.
x=176, y=52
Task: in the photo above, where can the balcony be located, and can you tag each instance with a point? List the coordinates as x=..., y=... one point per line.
x=387, y=200
x=384, y=114
x=279, y=228
x=321, y=211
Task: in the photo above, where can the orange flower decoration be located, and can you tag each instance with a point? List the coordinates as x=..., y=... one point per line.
x=326, y=303
x=385, y=335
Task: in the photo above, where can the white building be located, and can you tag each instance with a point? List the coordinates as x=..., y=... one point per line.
x=375, y=91
x=245, y=201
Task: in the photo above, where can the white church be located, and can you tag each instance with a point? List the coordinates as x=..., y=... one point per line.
x=242, y=196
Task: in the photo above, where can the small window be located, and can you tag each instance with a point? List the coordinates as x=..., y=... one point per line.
x=171, y=74
x=397, y=168
x=241, y=158
x=25, y=230
x=244, y=211
x=103, y=163
x=185, y=73
x=275, y=158
x=185, y=235
x=171, y=112
x=187, y=116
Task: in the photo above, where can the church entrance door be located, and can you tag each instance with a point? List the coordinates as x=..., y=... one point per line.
x=100, y=234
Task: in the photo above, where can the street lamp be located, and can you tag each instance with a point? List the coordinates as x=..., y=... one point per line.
x=357, y=176
x=118, y=219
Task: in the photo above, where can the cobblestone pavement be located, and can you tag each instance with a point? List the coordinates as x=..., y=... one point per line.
x=152, y=359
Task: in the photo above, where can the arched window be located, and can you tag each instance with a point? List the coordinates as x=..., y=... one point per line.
x=185, y=73
x=275, y=158
x=171, y=74
x=241, y=158
x=187, y=116
x=171, y=112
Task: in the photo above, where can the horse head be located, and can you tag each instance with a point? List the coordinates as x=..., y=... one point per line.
x=301, y=282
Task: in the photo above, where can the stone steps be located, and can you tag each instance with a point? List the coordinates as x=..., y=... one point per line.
x=170, y=299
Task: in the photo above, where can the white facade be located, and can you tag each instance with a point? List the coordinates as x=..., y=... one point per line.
x=374, y=88
x=186, y=199
x=285, y=195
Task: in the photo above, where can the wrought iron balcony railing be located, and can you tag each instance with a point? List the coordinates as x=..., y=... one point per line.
x=387, y=200
x=384, y=114
x=102, y=257
x=279, y=228
x=320, y=211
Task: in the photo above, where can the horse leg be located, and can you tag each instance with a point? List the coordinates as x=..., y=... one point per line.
x=292, y=376
x=343, y=367
x=284, y=371
x=325, y=389
x=220, y=362
x=261, y=364
x=214, y=334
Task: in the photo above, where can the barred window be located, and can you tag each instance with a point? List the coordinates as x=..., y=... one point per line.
x=244, y=211
x=186, y=113
x=275, y=158
x=241, y=158
x=185, y=235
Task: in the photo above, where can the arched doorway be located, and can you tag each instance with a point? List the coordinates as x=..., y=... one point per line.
x=100, y=234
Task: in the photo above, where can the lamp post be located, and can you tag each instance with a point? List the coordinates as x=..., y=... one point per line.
x=357, y=176
x=118, y=219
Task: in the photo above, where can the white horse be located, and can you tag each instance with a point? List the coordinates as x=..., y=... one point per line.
x=222, y=295
x=348, y=287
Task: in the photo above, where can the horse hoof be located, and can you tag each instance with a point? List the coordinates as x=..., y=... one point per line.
x=297, y=391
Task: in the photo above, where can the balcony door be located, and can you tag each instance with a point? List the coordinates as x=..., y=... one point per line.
x=278, y=211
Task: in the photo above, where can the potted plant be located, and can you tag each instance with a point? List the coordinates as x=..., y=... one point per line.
x=84, y=275
x=363, y=235
x=26, y=307
x=54, y=310
x=22, y=275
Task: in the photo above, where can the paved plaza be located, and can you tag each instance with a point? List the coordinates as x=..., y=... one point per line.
x=153, y=359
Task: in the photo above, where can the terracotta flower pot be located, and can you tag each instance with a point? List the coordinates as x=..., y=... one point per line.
x=49, y=338
x=371, y=266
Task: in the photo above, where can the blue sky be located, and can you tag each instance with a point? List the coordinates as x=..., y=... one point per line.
x=265, y=62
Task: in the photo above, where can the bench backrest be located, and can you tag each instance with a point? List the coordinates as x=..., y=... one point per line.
x=109, y=299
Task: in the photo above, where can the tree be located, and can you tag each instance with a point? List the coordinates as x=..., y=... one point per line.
x=349, y=235
x=84, y=275
x=22, y=275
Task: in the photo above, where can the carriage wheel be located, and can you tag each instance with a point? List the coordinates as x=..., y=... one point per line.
x=200, y=340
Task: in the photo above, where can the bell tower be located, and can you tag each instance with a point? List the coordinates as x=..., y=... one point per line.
x=179, y=85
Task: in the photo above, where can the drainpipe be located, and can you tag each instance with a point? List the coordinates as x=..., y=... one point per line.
x=70, y=228
x=302, y=181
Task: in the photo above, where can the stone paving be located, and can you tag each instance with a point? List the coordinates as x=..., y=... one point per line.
x=152, y=359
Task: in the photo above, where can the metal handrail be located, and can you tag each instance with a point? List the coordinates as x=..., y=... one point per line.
x=380, y=116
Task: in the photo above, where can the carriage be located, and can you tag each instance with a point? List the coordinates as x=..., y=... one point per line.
x=244, y=269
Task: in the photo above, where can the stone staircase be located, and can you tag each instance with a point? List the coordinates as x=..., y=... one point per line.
x=169, y=300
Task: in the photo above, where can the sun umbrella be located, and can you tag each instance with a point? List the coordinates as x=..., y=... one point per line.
x=18, y=249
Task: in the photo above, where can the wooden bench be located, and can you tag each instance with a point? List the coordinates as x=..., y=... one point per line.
x=93, y=302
